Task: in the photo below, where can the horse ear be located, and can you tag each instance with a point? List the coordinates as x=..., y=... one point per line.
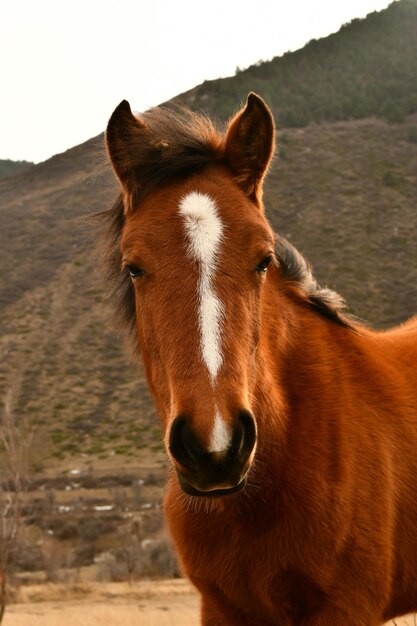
x=123, y=135
x=250, y=143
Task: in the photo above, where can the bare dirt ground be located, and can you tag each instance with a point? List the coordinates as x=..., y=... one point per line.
x=147, y=603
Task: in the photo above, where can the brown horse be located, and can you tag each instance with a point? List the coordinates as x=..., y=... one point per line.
x=291, y=429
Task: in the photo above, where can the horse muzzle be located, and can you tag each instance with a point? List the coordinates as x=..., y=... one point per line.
x=212, y=474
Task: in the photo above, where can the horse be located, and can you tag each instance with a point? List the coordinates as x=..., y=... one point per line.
x=290, y=426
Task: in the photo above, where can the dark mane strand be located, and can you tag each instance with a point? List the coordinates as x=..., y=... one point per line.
x=177, y=142
x=296, y=270
x=119, y=289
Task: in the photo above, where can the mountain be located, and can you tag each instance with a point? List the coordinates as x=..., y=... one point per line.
x=342, y=190
x=367, y=68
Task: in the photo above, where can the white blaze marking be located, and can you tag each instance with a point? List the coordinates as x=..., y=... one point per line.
x=204, y=230
x=220, y=435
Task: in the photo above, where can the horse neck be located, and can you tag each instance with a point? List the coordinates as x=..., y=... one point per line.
x=300, y=358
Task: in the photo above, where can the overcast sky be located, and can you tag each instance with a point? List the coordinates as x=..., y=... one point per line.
x=65, y=65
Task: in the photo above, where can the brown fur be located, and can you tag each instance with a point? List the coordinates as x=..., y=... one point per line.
x=325, y=531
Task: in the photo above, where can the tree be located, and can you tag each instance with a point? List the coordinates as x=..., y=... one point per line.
x=15, y=443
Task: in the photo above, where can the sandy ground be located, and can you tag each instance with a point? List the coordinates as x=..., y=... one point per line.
x=157, y=603
x=176, y=613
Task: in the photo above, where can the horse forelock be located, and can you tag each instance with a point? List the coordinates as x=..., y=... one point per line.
x=177, y=143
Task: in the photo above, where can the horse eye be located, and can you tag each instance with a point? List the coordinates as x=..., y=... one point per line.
x=264, y=264
x=135, y=272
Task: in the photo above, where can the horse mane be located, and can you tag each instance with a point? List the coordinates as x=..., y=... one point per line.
x=297, y=272
x=179, y=143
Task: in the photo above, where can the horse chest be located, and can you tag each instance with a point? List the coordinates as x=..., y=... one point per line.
x=245, y=567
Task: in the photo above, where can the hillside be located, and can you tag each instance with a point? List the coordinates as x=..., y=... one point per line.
x=367, y=68
x=342, y=191
x=8, y=167
x=66, y=368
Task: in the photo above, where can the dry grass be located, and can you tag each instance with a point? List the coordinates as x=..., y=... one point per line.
x=100, y=592
x=156, y=603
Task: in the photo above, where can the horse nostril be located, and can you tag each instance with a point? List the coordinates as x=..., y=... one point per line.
x=244, y=435
x=183, y=443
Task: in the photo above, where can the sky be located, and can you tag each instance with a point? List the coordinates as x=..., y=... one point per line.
x=66, y=64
